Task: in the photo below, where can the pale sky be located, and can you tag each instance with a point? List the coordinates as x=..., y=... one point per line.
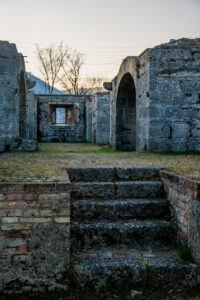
x=106, y=31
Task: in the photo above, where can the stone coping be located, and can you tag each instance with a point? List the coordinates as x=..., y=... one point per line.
x=187, y=184
x=59, y=184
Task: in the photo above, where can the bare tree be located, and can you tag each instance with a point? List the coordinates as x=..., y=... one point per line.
x=91, y=85
x=60, y=64
x=51, y=60
x=70, y=78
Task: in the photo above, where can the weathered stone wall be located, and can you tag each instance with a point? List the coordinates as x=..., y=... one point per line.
x=101, y=118
x=17, y=114
x=184, y=196
x=142, y=102
x=32, y=116
x=9, y=101
x=174, y=90
x=89, y=120
x=167, y=84
x=48, y=130
x=34, y=236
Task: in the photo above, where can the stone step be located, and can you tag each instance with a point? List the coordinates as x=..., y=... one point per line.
x=107, y=174
x=129, y=232
x=144, y=268
x=120, y=209
x=110, y=190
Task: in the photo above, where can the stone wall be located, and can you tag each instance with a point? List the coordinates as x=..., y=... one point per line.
x=48, y=130
x=17, y=111
x=101, y=118
x=167, y=84
x=89, y=120
x=32, y=116
x=174, y=87
x=34, y=236
x=9, y=100
x=184, y=196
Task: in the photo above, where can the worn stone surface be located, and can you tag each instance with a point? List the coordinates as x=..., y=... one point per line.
x=91, y=174
x=115, y=264
x=184, y=194
x=101, y=118
x=117, y=241
x=120, y=209
x=21, y=144
x=129, y=232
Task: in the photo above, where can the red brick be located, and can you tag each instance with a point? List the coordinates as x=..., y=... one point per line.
x=15, y=197
x=16, y=234
x=41, y=205
x=39, y=187
x=182, y=235
x=63, y=187
x=20, y=250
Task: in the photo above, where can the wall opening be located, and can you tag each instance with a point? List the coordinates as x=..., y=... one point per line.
x=62, y=115
x=126, y=114
x=22, y=106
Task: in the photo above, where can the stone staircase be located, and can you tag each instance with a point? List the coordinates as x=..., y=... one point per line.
x=121, y=230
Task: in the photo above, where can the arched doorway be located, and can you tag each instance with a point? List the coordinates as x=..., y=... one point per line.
x=22, y=106
x=126, y=114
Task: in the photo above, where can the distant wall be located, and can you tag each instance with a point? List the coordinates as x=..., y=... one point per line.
x=89, y=120
x=101, y=118
x=74, y=130
x=32, y=116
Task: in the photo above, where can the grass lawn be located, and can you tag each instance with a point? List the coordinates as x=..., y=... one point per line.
x=52, y=157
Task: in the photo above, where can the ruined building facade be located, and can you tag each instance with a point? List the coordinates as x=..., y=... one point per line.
x=153, y=103
x=18, y=106
x=155, y=99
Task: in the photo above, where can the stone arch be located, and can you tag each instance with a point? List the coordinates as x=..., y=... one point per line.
x=22, y=105
x=126, y=114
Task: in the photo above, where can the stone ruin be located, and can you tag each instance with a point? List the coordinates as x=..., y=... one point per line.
x=155, y=99
x=103, y=226
x=18, y=106
x=153, y=104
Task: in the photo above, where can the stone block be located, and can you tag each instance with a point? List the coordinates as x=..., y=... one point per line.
x=62, y=220
x=22, y=197
x=13, y=205
x=35, y=220
x=87, y=174
x=8, y=220
x=180, y=130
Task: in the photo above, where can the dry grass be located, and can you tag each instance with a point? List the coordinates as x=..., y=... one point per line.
x=52, y=157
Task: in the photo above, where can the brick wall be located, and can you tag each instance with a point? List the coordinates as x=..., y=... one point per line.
x=184, y=196
x=34, y=236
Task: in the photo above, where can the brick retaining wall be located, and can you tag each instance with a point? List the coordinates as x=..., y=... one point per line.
x=34, y=236
x=183, y=194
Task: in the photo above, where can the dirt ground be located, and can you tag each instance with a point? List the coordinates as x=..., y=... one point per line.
x=45, y=165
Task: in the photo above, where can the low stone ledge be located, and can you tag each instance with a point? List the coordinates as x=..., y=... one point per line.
x=183, y=193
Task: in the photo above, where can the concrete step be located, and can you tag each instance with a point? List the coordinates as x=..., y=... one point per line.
x=119, y=209
x=107, y=174
x=144, y=268
x=110, y=190
x=129, y=232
